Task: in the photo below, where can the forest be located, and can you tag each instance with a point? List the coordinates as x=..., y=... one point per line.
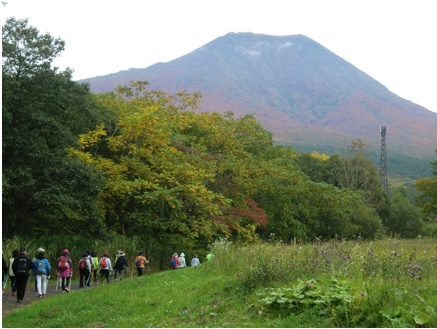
x=143, y=164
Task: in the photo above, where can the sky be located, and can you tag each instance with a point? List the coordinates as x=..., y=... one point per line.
x=393, y=41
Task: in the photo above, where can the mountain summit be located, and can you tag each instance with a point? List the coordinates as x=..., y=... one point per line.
x=299, y=90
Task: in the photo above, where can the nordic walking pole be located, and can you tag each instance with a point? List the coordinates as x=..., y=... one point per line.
x=57, y=282
x=88, y=281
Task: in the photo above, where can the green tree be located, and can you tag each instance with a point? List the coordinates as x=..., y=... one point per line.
x=428, y=198
x=358, y=173
x=404, y=217
x=43, y=111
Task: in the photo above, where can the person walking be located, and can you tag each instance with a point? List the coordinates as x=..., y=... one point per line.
x=84, y=270
x=22, y=266
x=65, y=270
x=120, y=264
x=4, y=274
x=140, y=263
x=182, y=264
x=175, y=262
x=41, y=268
x=105, y=267
x=195, y=261
x=15, y=253
x=33, y=261
x=90, y=259
x=95, y=262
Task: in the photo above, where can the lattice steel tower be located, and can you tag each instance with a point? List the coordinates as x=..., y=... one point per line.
x=383, y=169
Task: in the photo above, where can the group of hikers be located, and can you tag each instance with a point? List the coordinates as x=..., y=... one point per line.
x=90, y=267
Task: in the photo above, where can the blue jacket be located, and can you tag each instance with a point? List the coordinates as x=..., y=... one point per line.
x=46, y=266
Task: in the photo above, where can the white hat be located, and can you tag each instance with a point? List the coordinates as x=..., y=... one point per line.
x=182, y=254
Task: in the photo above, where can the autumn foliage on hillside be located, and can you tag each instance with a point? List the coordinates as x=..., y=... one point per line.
x=172, y=171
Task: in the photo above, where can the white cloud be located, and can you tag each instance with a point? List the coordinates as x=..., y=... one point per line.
x=285, y=45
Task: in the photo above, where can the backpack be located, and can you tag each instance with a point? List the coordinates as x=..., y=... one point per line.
x=41, y=267
x=63, y=263
x=82, y=264
x=22, y=265
x=103, y=263
x=139, y=261
x=173, y=262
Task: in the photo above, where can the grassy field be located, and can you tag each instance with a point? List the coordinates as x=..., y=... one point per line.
x=389, y=283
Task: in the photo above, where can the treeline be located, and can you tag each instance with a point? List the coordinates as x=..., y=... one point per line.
x=143, y=163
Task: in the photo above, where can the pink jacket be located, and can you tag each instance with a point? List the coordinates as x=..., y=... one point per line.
x=69, y=271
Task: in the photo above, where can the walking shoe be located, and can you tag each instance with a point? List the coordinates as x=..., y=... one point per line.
x=14, y=294
x=39, y=296
x=19, y=301
x=43, y=295
x=67, y=290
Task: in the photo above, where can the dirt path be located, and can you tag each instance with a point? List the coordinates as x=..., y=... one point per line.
x=9, y=302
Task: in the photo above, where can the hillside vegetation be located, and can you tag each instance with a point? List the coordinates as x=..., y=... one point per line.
x=386, y=283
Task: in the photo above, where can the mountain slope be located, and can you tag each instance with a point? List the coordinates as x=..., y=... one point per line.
x=299, y=90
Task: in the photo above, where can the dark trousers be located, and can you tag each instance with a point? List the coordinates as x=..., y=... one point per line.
x=104, y=273
x=140, y=271
x=21, y=283
x=65, y=282
x=84, y=275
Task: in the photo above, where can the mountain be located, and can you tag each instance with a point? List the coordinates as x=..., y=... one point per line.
x=299, y=90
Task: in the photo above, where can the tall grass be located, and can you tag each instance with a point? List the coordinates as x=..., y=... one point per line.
x=387, y=283
x=383, y=275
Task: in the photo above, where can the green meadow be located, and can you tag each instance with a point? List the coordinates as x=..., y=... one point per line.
x=384, y=283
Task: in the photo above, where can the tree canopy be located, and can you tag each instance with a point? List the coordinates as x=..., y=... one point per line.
x=43, y=111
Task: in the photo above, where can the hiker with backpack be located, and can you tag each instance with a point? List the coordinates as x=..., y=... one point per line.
x=175, y=262
x=140, y=263
x=182, y=264
x=105, y=267
x=65, y=270
x=15, y=253
x=88, y=282
x=41, y=268
x=22, y=266
x=84, y=270
x=120, y=264
x=95, y=262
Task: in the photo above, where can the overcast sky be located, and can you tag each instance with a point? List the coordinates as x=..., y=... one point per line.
x=394, y=41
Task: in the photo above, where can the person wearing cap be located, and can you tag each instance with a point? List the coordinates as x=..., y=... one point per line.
x=105, y=266
x=183, y=264
x=39, y=250
x=65, y=270
x=41, y=268
x=120, y=264
x=21, y=267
